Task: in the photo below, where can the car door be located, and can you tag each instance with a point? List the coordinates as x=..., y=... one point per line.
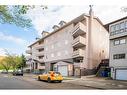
x=46, y=75
x=43, y=76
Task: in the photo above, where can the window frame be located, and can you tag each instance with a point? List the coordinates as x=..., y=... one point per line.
x=119, y=41
x=119, y=56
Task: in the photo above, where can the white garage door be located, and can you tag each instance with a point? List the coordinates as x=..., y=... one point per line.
x=121, y=74
x=63, y=70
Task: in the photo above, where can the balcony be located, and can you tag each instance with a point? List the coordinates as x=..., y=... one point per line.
x=41, y=67
x=41, y=53
x=78, y=53
x=41, y=60
x=29, y=51
x=41, y=46
x=79, y=29
x=28, y=57
x=79, y=42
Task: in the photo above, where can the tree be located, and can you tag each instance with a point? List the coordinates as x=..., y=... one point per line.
x=16, y=15
x=6, y=63
x=22, y=61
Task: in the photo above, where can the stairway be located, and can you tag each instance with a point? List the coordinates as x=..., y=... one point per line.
x=103, y=68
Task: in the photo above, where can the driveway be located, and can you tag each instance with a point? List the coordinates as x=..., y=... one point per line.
x=99, y=83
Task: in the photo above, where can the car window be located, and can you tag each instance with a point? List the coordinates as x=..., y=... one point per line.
x=57, y=72
x=45, y=72
x=51, y=72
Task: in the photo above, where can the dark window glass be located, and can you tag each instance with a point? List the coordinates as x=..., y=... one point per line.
x=119, y=56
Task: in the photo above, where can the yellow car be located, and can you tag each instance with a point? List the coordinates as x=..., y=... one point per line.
x=51, y=76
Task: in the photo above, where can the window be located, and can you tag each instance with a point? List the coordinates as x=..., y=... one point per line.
x=66, y=42
x=122, y=25
x=112, y=28
x=46, y=49
x=119, y=56
x=52, y=46
x=46, y=41
x=120, y=41
x=66, y=52
x=116, y=42
x=58, y=44
x=126, y=24
x=41, y=50
x=58, y=54
x=40, y=57
x=117, y=27
x=42, y=64
x=52, y=55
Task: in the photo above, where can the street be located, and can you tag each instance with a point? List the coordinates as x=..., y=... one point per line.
x=21, y=82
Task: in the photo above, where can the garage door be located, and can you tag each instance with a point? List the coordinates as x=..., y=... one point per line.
x=63, y=70
x=121, y=74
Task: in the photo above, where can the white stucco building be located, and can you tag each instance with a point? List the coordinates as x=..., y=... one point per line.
x=73, y=48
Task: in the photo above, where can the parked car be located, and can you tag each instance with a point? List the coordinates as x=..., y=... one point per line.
x=51, y=76
x=18, y=73
x=4, y=72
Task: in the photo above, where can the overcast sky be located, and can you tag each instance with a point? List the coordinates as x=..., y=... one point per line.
x=44, y=20
x=17, y=39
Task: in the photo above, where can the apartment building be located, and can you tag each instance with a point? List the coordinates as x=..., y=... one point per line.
x=35, y=59
x=118, y=48
x=73, y=48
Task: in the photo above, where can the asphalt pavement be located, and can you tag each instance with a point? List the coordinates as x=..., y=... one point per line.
x=8, y=81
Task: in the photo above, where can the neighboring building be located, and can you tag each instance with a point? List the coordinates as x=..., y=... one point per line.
x=118, y=48
x=73, y=48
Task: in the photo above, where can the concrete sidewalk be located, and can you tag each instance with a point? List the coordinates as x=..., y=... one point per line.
x=99, y=83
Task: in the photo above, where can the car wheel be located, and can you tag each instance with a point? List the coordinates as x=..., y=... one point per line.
x=49, y=80
x=39, y=79
x=60, y=81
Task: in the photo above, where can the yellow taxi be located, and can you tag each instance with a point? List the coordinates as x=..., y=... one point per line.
x=51, y=76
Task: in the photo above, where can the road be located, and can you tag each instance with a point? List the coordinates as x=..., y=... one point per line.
x=21, y=82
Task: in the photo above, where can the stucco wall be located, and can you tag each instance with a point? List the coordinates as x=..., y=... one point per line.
x=59, y=45
x=99, y=46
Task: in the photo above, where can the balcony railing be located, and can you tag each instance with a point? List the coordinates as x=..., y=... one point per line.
x=40, y=59
x=40, y=46
x=79, y=41
x=79, y=29
x=29, y=57
x=79, y=65
x=41, y=67
x=78, y=53
x=29, y=51
x=41, y=53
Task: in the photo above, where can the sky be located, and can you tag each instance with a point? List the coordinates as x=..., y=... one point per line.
x=16, y=39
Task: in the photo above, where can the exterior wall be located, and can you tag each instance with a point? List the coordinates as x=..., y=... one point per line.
x=99, y=44
x=69, y=65
x=59, y=45
x=117, y=49
x=35, y=60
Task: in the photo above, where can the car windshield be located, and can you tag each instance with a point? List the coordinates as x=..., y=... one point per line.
x=57, y=72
